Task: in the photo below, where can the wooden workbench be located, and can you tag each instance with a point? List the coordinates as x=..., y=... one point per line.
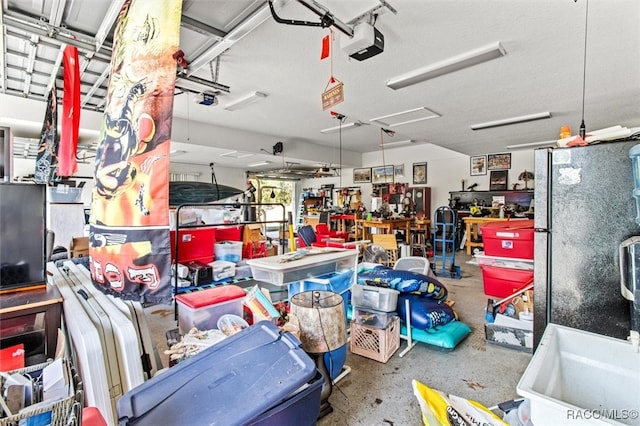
x=472, y=228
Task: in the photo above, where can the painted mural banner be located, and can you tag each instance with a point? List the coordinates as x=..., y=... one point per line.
x=47, y=157
x=130, y=254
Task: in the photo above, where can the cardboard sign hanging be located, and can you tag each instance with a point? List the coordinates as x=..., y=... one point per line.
x=333, y=95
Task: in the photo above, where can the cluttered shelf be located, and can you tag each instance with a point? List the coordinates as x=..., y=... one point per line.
x=517, y=201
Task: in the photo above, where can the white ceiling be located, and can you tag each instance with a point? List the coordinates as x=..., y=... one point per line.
x=542, y=71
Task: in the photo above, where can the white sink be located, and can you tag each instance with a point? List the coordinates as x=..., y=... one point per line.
x=577, y=377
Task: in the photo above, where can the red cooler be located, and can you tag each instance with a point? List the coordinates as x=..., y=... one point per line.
x=508, y=239
x=503, y=282
x=194, y=244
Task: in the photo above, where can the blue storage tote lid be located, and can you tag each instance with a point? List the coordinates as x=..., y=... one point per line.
x=229, y=383
x=211, y=296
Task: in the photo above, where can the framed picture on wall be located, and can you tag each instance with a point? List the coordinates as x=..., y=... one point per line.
x=499, y=162
x=382, y=174
x=419, y=173
x=498, y=180
x=362, y=175
x=478, y=165
x=398, y=171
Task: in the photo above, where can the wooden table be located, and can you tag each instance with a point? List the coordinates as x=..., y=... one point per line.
x=388, y=225
x=472, y=225
x=339, y=221
x=24, y=303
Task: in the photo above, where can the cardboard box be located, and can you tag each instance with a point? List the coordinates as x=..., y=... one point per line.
x=79, y=247
x=251, y=233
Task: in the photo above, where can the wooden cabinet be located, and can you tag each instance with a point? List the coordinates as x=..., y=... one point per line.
x=421, y=197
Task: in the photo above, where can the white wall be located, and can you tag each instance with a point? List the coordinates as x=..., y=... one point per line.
x=445, y=171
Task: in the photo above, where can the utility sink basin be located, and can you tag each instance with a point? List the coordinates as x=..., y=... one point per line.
x=577, y=377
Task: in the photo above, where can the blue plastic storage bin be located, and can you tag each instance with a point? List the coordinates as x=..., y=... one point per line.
x=231, y=383
x=301, y=409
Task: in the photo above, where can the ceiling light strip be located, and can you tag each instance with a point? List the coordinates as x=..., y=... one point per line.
x=259, y=163
x=343, y=127
x=415, y=120
x=455, y=63
x=395, y=114
x=236, y=154
x=512, y=120
x=396, y=143
x=245, y=101
x=532, y=144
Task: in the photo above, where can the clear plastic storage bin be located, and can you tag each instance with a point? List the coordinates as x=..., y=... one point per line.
x=202, y=309
x=504, y=262
x=372, y=318
x=279, y=270
x=378, y=298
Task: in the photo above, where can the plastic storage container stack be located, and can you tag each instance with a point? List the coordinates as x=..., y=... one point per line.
x=507, y=263
x=375, y=327
x=507, y=268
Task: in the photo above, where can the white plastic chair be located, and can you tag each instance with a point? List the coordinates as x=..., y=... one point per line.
x=415, y=264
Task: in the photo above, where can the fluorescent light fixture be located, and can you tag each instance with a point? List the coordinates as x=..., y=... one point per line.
x=532, y=144
x=414, y=115
x=176, y=152
x=512, y=120
x=455, y=63
x=344, y=126
x=396, y=143
x=236, y=154
x=259, y=163
x=247, y=99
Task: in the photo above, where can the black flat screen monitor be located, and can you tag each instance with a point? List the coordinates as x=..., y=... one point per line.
x=22, y=235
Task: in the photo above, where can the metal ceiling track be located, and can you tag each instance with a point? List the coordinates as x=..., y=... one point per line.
x=50, y=33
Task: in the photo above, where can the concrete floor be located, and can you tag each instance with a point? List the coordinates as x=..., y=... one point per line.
x=374, y=393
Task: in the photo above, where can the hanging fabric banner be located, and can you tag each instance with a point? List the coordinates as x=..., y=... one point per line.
x=67, y=165
x=47, y=158
x=129, y=227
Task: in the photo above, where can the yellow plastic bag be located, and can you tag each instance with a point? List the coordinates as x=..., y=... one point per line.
x=439, y=409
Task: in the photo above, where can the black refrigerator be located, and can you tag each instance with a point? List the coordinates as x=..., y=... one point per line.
x=584, y=209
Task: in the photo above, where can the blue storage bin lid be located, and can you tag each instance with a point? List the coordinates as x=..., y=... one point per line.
x=229, y=383
x=337, y=282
